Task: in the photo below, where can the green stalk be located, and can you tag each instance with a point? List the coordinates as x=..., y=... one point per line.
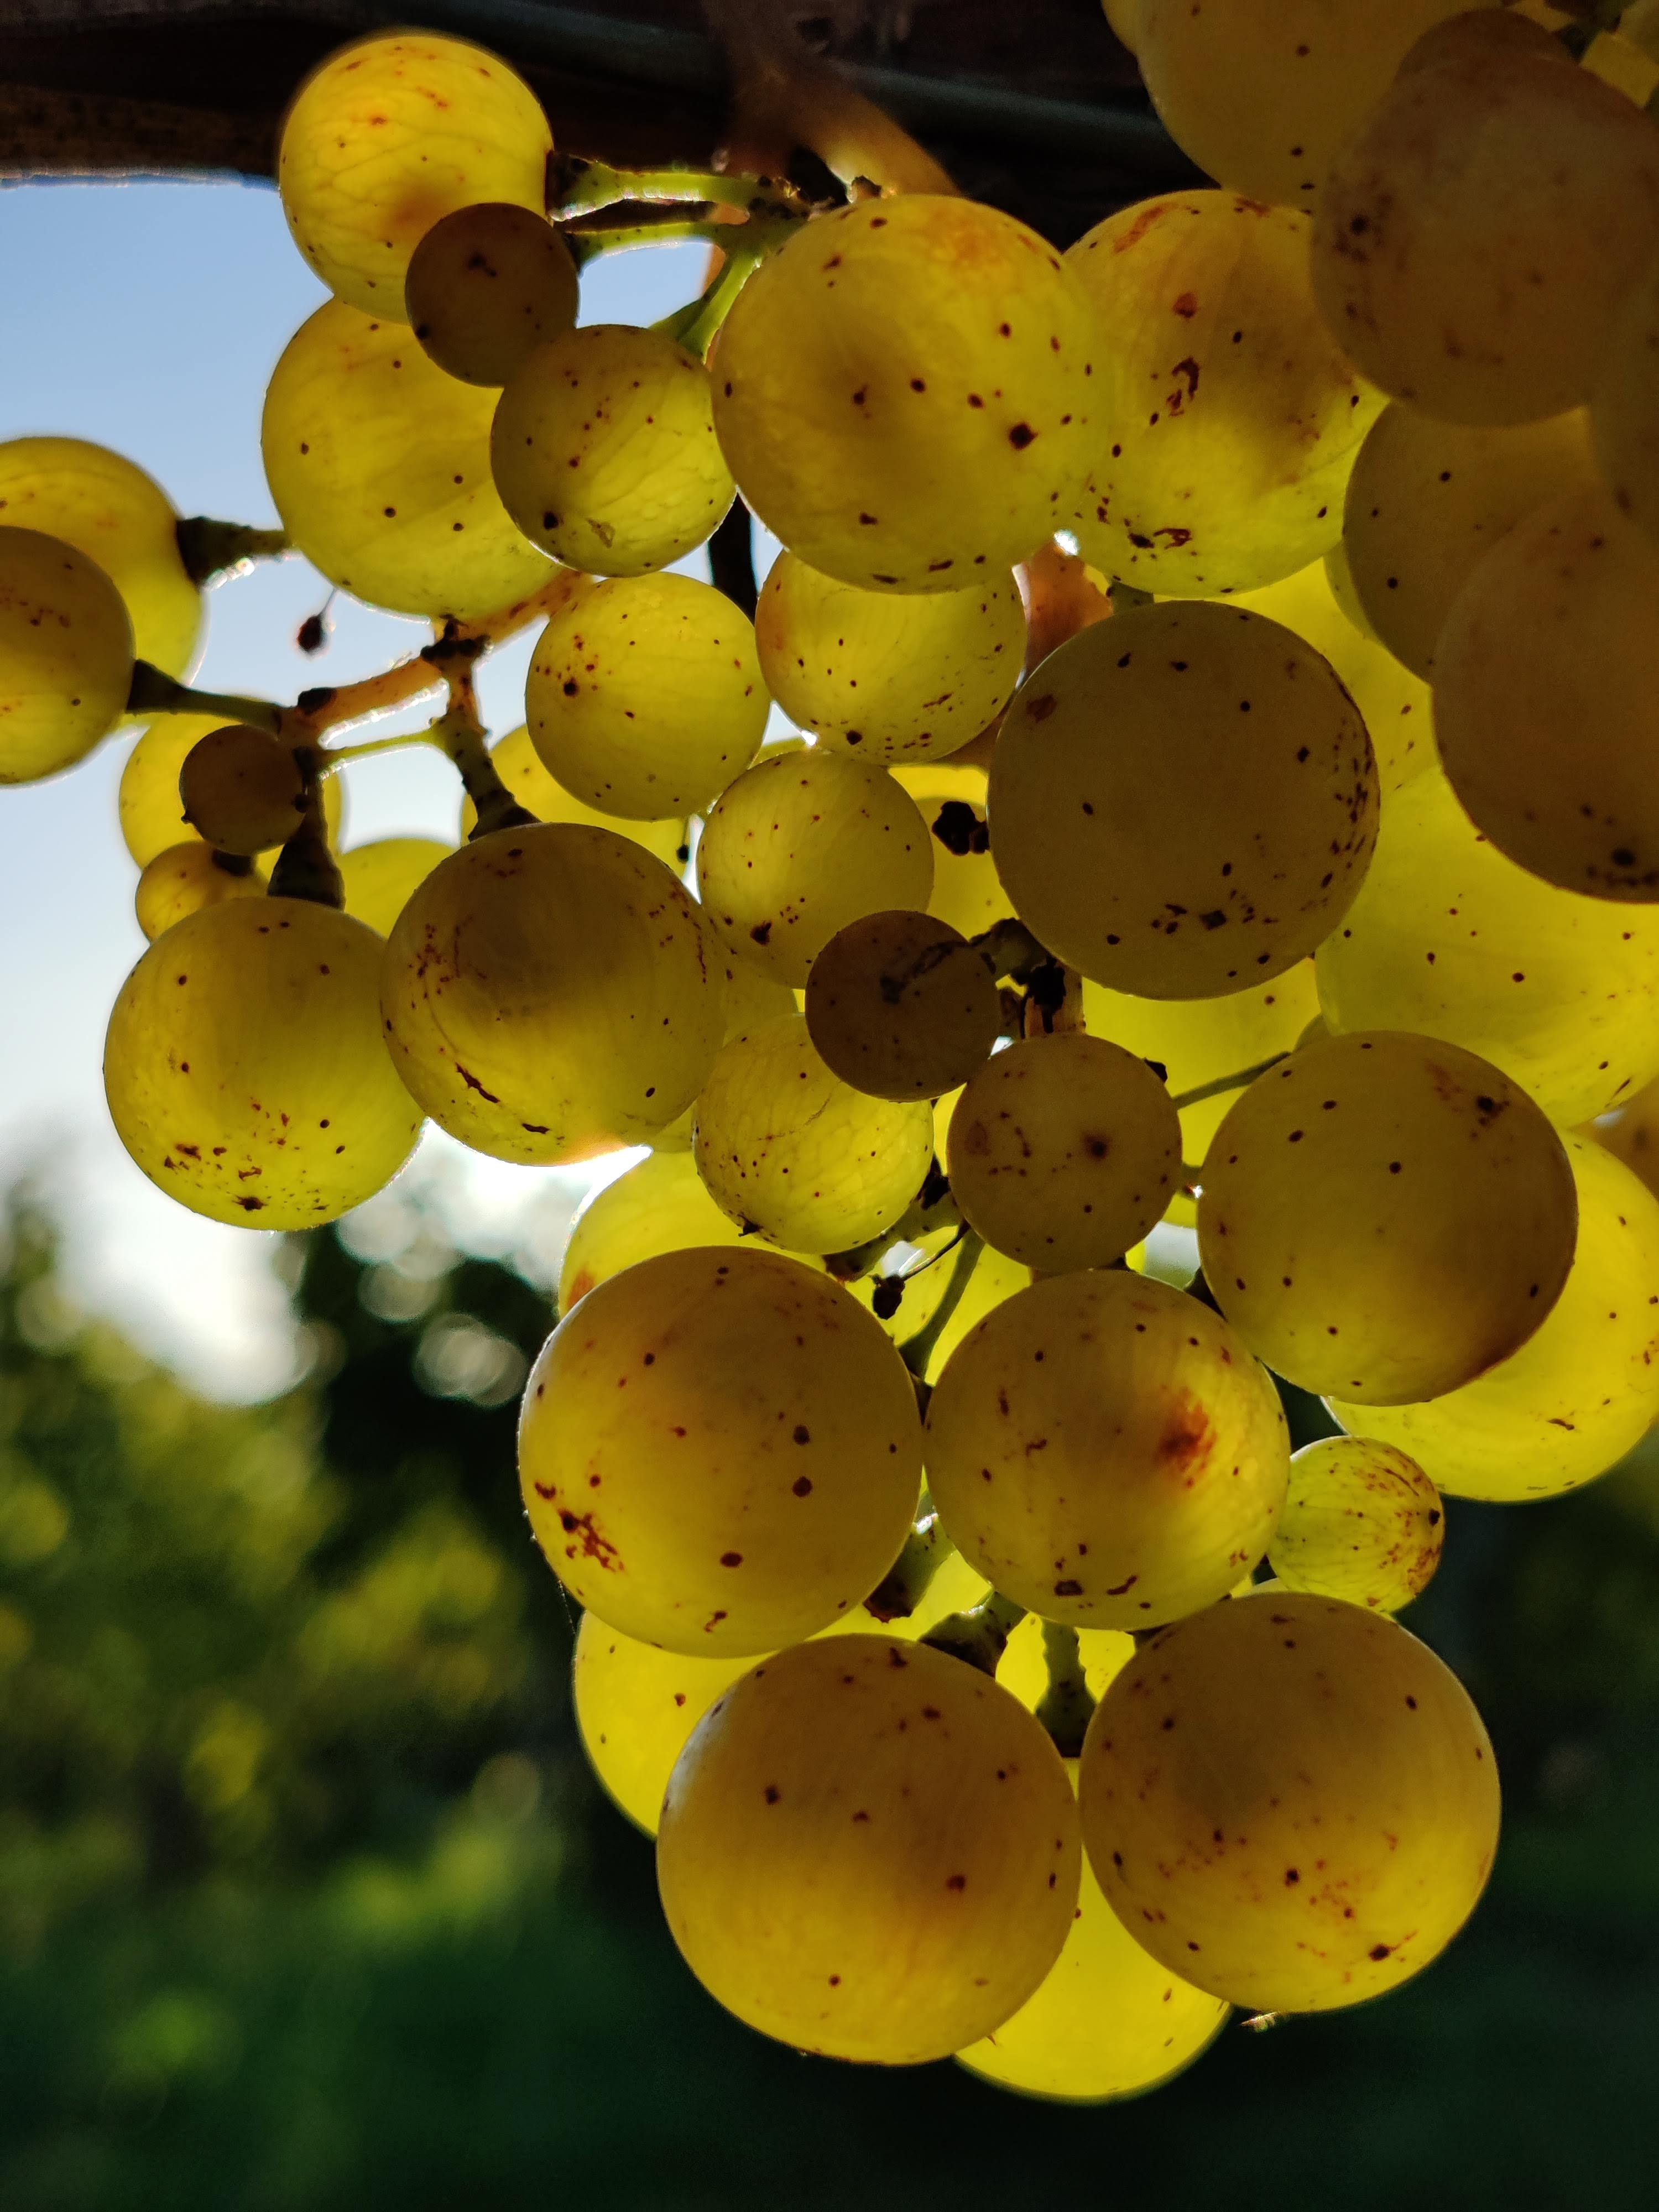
x=154, y=693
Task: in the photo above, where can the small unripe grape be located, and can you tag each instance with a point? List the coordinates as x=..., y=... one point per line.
x=1362, y=1522
x=65, y=655
x=486, y=286
x=183, y=878
x=152, y=813
x=241, y=789
x=902, y=1006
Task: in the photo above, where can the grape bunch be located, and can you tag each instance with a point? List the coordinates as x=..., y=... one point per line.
x=1192, y=773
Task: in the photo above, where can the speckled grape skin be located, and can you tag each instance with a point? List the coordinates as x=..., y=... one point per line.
x=151, y=819
x=65, y=655
x=605, y=451
x=1361, y=1522
x=869, y=1851
x=486, y=287
x=900, y=1006
x=548, y=994
x=182, y=879
x=1183, y=800
x=718, y=1451
x=902, y=392
x=1104, y=1450
x=1384, y=1217
x=1291, y=1801
x=246, y=1071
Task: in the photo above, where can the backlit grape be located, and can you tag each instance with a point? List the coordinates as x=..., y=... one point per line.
x=900, y=1006
x=241, y=789
x=486, y=286
x=520, y=768
x=1362, y=1522
x=381, y=878
x=183, y=878
x=65, y=655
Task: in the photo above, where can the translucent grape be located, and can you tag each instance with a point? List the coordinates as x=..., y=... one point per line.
x=378, y=463
x=644, y=697
x=902, y=392
x=1632, y=1135
x=1184, y=801
x=1227, y=420
x=381, y=878
x=1578, y=1396
x=801, y=844
x=900, y=1006
x=520, y=768
x=486, y=286
x=659, y=1205
x=1103, y=1449
x=604, y=451
x=1385, y=1217
x=1362, y=1522
x=967, y=892
x=152, y=816
x=547, y=995
x=1291, y=1801
x=245, y=1067
x=1064, y=1151
x=387, y=137
x=65, y=655
x=718, y=1451
x=897, y=1937
x=750, y=1000
x=1624, y=417
x=241, y=789
x=894, y=678
x=184, y=878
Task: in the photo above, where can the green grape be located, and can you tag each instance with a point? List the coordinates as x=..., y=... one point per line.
x=1544, y=705
x=1362, y=1522
x=901, y=1006
x=520, y=767
x=1124, y=16
x=895, y=678
x=645, y=696
x=902, y=392
x=378, y=465
x=1578, y=1396
x=381, y=878
x=486, y=286
x=106, y=508
x=995, y=1279
x=65, y=655
x=1428, y=500
x=389, y=135
x=152, y=816
x=967, y=892
x=241, y=789
x=1184, y=801
x=1228, y=420
x=788, y=1148
x=1474, y=238
x=1450, y=939
x=750, y=1000
x=1289, y=1800
x=718, y=1451
x=184, y=878
x=869, y=1851
x=604, y=451
x=547, y=995
x=801, y=844
x=245, y=1070
x=1103, y=1449
x=1624, y=418
x=1385, y=1217
x=1064, y=1151
x=657, y=1206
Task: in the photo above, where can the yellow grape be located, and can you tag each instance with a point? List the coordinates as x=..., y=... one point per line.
x=486, y=286
x=547, y=995
x=1385, y=1217
x=245, y=1067
x=1289, y=1800
x=1632, y=1135
x=893, y=678
x=1124, y=16
x=645, y=696
x=801, y=844
x=1578, y=1396
x=902, y=392
x=65, y=655
x=660, y=1204
x=184, y=878
x=967, y=892
x=1449, y=938
x=241, y=789
x=1340, y=576
x=520, y=768
x=1428, y=500
x=152, y=817
x=869, y=1851
x=379, y=466
x=1228, y=418
x=1104, y=1450
x=901, y=1006
x=1474, y=239
x=1064, y=1151
x=389, y=135
x=1184, y=801
x=785, y=1145
x=750, y=1000
x=1362, y=1522
x=381, y=878
x=1544, y=704
x=604, y=451
x=996, y=1280
x=1624, y=416
x=718, y=1451
x=1024, y=1666
x=104, y=505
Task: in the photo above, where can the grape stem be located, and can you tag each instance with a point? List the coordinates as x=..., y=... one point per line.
x=576, y=186
x=1126, y=596
x=696, y=326
x=916, y=1350
x=1013, y=952
x=904, y=1585
x=306, y=868
x=153, y=692
x=980, y=1636
x=934, y=1209
x=1067, y=1705
x=1223, y=1083
x=460, y=733
x=699, y=222
x=334, y=757
x=211, y=550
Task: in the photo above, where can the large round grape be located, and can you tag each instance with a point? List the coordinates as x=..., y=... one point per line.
x=1291, y=1801
x=718, y=1451
x=1104, y=1450
x=1384, y=1217
x=379, y=466
x=381, y=878
x=183, y=878
x=521, y=770
x=151, y=814
x=1183, y=800
x=486, y=286
x=65, y=655
x=388, y=136
x=548, y=995
x=1624, y=413
x=245, y=1067
x=1226, y=419
x=903, y=391
x=869, y=1851
x=1362, y=1522
x=901, y=1006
